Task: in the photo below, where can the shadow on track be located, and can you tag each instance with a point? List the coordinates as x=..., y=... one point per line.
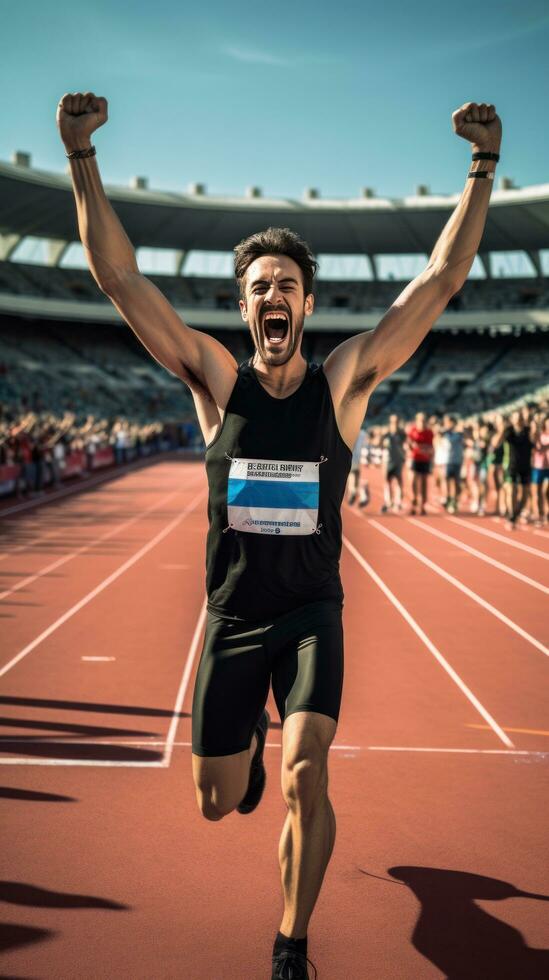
x=115, y=709
x=33, y=796
x=13, y=935
x=461, y=938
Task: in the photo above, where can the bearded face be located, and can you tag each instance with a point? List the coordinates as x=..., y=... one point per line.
x=275, y=307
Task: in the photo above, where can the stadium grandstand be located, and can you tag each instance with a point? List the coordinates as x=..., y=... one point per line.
x=67, y=357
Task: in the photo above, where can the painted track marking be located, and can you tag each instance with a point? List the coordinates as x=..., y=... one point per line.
x=430, y=646
x=500, y=537
x=103, y=585
x=459, y=585
x=478, y=554
x=184, y=684
x=86, y=547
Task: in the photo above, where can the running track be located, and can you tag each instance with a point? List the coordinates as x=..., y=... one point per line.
x=438, y=774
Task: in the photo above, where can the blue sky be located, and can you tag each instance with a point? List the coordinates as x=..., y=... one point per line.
x=283, y=95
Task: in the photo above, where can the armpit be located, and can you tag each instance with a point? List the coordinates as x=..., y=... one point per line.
x=194, y=382
x=361, y=384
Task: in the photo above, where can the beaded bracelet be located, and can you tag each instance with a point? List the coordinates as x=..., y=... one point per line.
x=81, y=154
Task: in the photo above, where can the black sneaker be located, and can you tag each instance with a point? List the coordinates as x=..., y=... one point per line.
x=258, y=776
x=290, y=965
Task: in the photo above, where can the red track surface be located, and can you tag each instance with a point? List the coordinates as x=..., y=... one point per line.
x=438, y=774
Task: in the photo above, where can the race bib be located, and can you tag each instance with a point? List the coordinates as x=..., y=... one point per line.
x=273, y=496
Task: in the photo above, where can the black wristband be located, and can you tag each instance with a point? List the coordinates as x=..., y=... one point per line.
x=485, y=156
x=81, y=154
x=487, y=174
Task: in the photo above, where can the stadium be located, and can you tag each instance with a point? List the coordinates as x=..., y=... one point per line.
x=436, y=769
x=65, y=349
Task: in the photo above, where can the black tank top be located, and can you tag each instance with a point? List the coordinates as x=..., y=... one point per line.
x=276, y=472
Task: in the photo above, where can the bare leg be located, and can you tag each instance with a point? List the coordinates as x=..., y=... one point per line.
x=221, y=781
x=304, y=852
x=308, y=835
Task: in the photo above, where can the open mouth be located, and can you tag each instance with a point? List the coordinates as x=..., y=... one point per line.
x=275, y=326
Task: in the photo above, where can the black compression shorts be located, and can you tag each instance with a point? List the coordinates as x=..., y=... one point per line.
x=301, y=652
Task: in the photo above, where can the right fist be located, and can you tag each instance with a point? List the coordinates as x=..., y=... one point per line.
x=78, y=116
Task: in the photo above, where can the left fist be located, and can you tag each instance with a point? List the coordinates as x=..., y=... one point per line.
x=478, y=123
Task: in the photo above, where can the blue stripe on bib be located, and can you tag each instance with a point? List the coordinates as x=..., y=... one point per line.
x=274, y=494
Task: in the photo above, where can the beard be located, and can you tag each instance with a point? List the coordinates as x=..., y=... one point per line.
x=274, y=354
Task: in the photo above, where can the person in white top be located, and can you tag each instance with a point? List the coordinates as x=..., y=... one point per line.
x=440, y=462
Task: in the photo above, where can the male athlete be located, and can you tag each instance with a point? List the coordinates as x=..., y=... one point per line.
x=279, y=434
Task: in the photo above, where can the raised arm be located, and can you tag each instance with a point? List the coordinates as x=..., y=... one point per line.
x=199, y=360
x=360, y=363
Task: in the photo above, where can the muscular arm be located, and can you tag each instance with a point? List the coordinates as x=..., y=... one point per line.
x=191, y=355
x=360, y=363
x=365, y=360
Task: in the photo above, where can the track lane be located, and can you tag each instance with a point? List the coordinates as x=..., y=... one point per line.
x=504, y=671
x=133, y=836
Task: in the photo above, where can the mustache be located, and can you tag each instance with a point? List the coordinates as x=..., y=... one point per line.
x=274, y=309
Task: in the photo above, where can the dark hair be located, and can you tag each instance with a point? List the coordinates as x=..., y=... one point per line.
x=275, y=241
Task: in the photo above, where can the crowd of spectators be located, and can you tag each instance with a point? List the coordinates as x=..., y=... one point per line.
x=42, y=448
x=493, y=464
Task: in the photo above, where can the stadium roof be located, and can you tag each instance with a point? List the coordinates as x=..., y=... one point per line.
x=39, y=203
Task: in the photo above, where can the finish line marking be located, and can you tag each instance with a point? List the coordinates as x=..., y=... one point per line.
x=161, y=764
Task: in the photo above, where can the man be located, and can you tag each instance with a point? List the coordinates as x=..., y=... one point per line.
x=392, y=458
x=357, y=484
x=454, y=442
x=517, y=465
x=420, y=444
x=279, y=434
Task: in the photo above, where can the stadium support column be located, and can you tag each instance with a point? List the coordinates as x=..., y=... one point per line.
x=535, y=259
x=8, y=244
x=373, y=264
x=486, y=262
x=56, y=251
x=180, y=257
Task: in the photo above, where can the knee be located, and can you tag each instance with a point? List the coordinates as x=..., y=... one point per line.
x=304, y=786
x=209, y=807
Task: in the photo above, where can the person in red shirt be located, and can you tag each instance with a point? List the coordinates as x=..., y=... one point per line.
x=420, y=443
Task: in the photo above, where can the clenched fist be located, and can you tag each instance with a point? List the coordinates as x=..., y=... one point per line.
x=478, y=123
x=78, y=116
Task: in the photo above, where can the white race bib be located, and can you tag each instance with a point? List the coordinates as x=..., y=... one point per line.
x=273, y=496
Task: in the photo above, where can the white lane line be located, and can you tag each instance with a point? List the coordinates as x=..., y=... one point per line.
x=98, y=658
x=463, y=588
x=86, y=547
x=67, y=525
x=478, y=554
x=25, y=761
x=430, y=646
x=500, y=537
x=170, y=738
x=58, y=532
x=105, y=476
x=411, y=748
x=103, y=585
